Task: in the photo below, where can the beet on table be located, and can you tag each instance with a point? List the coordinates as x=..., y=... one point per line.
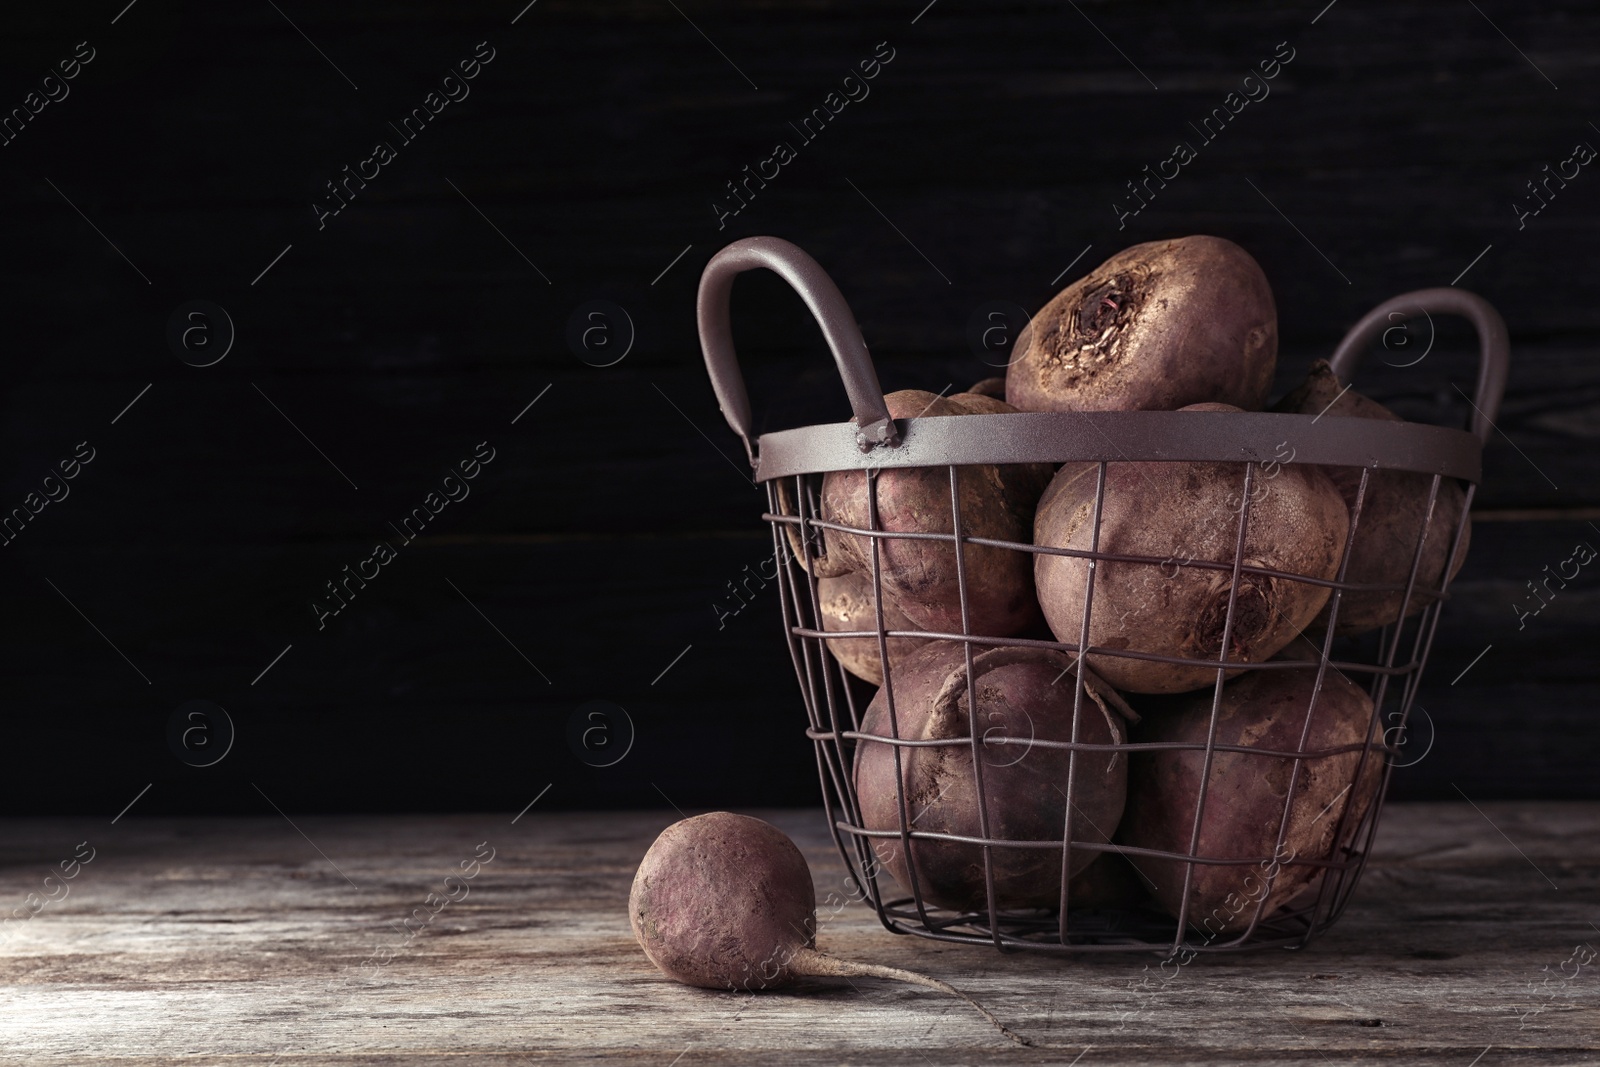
x=470, y=939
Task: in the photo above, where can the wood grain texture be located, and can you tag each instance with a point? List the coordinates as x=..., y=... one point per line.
x=232, y=941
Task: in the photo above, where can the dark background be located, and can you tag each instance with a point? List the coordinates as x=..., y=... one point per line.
x=600, y=539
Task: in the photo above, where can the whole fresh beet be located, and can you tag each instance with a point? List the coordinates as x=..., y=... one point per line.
x=724, y=901
x=997, y=502
x=1246, y=792
x=1156, y=327
x=1025, y=695
x=1179, y=513
x=848, y=604
x=1392, y=514
x=718, y=897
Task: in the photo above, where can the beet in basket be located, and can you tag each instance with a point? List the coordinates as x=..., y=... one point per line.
x=990, y=787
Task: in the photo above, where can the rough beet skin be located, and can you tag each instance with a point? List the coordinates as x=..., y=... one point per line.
x=717, y=900
x=1392, y=514
x=848, y=604
x=1178, y=513
x=724, y=901
x=1246, y=793
x=997, y=502
x=1025, y=695
x=1155, y=327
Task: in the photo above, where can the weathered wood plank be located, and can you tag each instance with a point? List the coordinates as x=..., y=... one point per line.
x=228, y=941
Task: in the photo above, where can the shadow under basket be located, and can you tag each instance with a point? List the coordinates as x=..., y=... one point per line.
x=1108, y=906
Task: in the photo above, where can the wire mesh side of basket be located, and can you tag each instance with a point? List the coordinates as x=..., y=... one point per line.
x=1391, y=665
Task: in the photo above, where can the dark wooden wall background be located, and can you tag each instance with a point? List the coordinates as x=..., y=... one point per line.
x=601, y=537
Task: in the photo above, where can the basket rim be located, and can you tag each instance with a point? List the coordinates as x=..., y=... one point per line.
x=1128, y=436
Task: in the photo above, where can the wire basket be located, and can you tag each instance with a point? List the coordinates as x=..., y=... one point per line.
x=791, y=465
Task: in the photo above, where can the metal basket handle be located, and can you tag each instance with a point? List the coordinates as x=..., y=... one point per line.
x=874, y=427
x=1493, y=343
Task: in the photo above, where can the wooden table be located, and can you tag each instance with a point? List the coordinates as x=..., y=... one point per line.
x=241, y=941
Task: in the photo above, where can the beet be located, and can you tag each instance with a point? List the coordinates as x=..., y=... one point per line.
x=997, y=502
x=1024, y=695
x=1391, y=519
x=1180, y=512
x=724, y=901
x=718, y=897
x=1156, y=327
x=825, y=562
x=1245, y=797
x=848, y=604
